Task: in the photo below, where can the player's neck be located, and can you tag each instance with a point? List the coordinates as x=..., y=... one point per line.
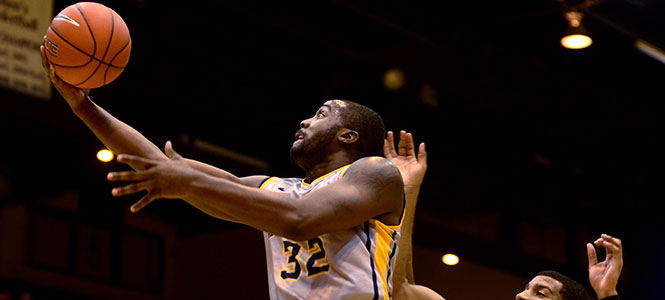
x=327, y=165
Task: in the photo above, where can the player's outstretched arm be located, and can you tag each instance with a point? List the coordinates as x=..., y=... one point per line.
x=117, y=135
x=604, y=275
x=370, y=189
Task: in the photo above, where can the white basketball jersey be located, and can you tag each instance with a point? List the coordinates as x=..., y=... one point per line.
x=357, y=263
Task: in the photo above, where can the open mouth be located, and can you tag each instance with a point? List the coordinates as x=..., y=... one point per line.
x=299, y=135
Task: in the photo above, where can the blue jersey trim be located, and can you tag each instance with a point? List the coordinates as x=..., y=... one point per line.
x=368, y=245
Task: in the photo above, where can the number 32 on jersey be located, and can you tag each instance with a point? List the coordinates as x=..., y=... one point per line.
x=316, y=262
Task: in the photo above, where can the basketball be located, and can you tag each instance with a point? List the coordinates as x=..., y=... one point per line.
x=88, y=45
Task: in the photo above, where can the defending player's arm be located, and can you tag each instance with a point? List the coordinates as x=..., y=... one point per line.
x=118, y=136
x=604, y=275
x=412, y=167
x=370, y=188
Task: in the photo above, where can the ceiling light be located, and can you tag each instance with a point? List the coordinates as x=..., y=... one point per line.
x=575, y=34
x=450, y=259
x=105, y=155
x=393, y=79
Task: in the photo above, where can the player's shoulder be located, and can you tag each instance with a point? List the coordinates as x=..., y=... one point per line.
x=375, y=167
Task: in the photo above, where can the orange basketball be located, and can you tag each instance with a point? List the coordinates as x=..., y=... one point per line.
x=88, y=45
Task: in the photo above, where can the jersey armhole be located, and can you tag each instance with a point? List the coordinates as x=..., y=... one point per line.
x=266, y=181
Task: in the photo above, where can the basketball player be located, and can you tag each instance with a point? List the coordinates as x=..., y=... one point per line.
x=330, y=235
x=603, y=275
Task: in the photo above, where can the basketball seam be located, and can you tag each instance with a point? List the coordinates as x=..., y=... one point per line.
x=108, y=45
x=116, y=55
x=94, y=40
x=88, y=55
x=66, y=41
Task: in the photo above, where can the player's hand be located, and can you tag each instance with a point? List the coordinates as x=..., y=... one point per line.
x=73, y=95
x=161, y=179
x=604, y=275
x=411, y=165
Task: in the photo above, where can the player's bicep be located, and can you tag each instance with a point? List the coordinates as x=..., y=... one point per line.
x=379, y=183
x=253, y=181
x=367, y=190
x=333, y=208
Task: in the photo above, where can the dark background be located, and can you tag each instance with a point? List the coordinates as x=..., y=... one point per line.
x=524, y=137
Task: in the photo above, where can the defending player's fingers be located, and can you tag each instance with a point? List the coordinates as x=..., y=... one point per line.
x=410, y=148
x=402, y=144
x=389, y=146
x=422, y=154
x=609, y=243
x=612, y=240
x=591, y=255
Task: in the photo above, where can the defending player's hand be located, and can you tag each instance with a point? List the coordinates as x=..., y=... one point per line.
x=604, y=275
x=161, y=179
x=411, y=165
x=72, y=94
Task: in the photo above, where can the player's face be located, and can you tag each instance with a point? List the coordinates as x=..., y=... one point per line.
x=541, y=287
x=319, y=131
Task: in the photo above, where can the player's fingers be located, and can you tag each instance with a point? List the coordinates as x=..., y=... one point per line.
x=168, y=149
x=610, y=244
x=127, y=176
x=422, y=154
x=142, y=163
x=389, y=145
x=145, y=200
x=51, y=74
x=612, y=240
x=130, y=189
x=591, y=254
x=42, y=51
x=410, y=146
x=402, y=148
x=386, y=149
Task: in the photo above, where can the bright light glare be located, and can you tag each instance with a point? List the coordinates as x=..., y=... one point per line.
x=576, y=41
x=105, y=155
x=450, y=259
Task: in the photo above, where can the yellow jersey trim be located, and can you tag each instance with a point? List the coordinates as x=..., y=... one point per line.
x=326, y=175
x=266, y=182
x=384, y=241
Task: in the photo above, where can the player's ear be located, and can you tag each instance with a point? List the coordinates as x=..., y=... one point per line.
x=347, y=136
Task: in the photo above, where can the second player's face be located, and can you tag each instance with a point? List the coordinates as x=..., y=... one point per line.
x=318, y=131
x=541, y=287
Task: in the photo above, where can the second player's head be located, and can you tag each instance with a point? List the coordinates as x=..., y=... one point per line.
x=552, y=285
x=339, y=125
